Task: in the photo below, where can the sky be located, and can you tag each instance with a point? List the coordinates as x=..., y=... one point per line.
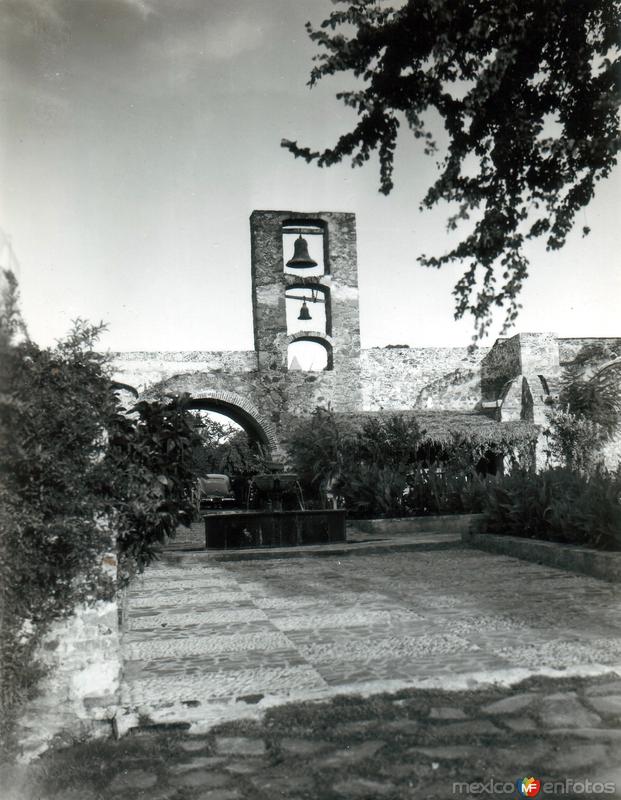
x=136, y=138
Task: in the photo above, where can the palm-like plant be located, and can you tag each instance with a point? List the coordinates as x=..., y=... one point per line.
x=594, y=396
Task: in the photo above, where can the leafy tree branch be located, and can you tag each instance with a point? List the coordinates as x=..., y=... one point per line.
x=528, y=95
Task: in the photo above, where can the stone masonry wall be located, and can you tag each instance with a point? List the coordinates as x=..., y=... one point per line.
x=79, y=695
x=142, y=370
x=539, y=353
x=569, y=348
x=500, y=365
x=420, y=377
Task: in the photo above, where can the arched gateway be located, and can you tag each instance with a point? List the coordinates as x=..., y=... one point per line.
x=241, y=411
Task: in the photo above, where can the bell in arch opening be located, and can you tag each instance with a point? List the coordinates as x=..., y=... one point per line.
x=301, y=258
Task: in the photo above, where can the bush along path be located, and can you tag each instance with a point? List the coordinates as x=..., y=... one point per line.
x=411, y=744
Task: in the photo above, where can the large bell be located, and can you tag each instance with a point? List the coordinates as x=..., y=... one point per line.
x=301, y=259
x=304, y=312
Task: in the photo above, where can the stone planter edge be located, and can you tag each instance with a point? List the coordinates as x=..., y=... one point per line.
x=583, y=560
x=391, y=526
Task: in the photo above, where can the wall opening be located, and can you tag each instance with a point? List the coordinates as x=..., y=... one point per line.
x=234, y=416
x=232, y=445
x=308, y=237
x=309, y=355
x=307, y=308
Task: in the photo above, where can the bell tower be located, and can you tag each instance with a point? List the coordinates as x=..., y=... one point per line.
x=305, y=289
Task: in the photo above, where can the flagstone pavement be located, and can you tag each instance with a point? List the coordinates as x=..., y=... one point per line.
x=210, y=641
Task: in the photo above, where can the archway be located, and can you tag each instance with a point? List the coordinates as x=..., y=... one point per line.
x=240, y=411
x=309, y=351
x=236, y=444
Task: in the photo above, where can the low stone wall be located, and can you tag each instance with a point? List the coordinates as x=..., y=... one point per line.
x=447, y=523
x=78, y=697
x=596, y=563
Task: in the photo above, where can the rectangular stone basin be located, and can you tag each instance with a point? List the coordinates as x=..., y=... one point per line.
x=273, y=529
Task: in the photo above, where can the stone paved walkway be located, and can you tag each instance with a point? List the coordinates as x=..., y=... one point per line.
x=212, y=641
x=412, y=745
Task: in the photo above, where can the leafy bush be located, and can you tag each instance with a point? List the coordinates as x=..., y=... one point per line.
x=573, y=440
x=320, y=446
x=442, y=489
x=588, y=392
x=558, y=505
x=372, y=490
x=385, y=466
x=363, y=462
x=374, y=477
x=589, y=412
x=146, y=477
x=76, y=472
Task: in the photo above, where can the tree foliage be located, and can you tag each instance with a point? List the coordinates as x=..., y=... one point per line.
x=76, y=473
x=527, y=93
x=226, y=449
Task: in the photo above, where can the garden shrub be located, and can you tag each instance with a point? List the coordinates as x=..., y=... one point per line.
x=559, y=505
x=374, y=476
x=573, y=440
x=364, y=462
x=320, y=446
x=445, y=489
x=387, y=466
x=76, y=472
x=372, y=490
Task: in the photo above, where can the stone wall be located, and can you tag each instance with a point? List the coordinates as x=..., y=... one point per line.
x=500, y=365
x=569, y=348
x=79, y=696
x=539, y=353
x=142, y=370
x=420, y=377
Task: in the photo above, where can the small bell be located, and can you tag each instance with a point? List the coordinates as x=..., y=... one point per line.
x=304, y=312
x=301, y=258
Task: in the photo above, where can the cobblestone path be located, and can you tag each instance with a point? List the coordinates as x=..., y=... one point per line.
x=412, y=745
x=212, y=641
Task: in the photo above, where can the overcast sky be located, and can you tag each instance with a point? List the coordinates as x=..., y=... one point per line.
x=136, y=137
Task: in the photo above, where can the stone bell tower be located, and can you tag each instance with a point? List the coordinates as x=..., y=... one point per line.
x=307, y=262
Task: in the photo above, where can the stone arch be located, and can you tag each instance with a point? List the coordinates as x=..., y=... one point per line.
x=313, y=336
x=614, y=366
x=240, y=410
